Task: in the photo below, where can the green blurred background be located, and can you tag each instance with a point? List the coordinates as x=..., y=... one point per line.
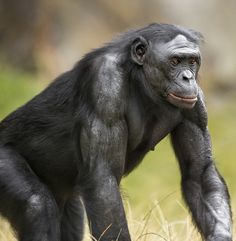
x=40, y=39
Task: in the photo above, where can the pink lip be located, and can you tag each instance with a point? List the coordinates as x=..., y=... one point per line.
x=188, y=99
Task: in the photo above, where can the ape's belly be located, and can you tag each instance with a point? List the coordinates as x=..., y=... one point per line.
x=53, y=162
x=58, y=173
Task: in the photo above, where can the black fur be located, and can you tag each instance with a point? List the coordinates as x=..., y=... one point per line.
x=66, y=150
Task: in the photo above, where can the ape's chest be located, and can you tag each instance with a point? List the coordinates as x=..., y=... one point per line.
x=142, y=140
x=145, y=134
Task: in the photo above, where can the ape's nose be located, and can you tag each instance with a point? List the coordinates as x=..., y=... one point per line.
x=187, y=75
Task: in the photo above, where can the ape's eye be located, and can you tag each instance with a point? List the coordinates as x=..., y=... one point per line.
x=175, y=61
x=192, y=61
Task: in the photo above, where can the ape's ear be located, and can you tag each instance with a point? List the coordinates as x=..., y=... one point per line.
x=138, y=50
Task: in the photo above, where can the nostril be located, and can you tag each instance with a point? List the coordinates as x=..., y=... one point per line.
x=187, y=75
x=185, y=78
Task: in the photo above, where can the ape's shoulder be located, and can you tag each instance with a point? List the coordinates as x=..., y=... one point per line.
x=110, y=88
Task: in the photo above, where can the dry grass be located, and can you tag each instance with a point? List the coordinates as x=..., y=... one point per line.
x=154, y=226
x=6, y=233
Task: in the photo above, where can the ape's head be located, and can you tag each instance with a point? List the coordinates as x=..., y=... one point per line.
x=169, y=58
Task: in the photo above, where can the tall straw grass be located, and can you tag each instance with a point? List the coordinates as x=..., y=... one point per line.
x=154, y=226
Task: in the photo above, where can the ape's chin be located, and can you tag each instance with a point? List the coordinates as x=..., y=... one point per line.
x=186, y=102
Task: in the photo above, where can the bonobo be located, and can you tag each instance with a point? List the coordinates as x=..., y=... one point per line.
x=66, y=150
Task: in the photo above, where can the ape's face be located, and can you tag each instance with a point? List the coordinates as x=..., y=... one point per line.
x=179, y=62
x=172, y=69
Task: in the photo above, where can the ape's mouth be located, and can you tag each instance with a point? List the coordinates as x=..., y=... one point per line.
x=186, y=101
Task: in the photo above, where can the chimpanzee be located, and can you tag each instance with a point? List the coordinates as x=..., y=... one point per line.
x=66, y=150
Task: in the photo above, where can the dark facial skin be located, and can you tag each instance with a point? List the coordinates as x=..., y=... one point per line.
x=182, y=60
x=174, y=69
x=65, y=151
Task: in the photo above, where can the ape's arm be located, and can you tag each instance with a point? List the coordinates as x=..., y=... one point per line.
x=103, y=147
x=203, y=188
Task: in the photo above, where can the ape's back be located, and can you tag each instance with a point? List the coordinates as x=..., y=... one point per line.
x=42, y=131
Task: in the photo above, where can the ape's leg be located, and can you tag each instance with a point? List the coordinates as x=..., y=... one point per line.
x=105, y=210
x=72, y=223
x=25, y=201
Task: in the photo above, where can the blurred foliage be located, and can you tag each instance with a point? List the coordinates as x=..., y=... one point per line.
x=16, y=88
x=50, y=36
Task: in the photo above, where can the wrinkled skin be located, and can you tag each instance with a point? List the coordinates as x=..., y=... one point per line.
x=66, y=150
